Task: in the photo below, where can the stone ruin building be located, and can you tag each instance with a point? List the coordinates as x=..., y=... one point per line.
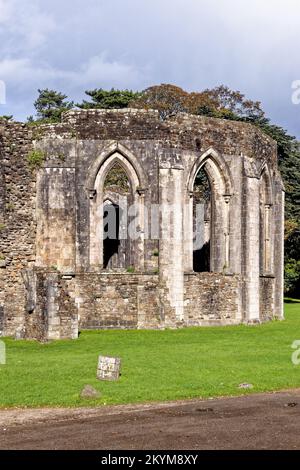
x=60, y=182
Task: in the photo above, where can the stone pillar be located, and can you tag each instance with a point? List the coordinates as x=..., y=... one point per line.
x=227, y=233
x=171, y=240
x=140, y=243
x=56, y=219
x=267, y=239
x=52, y=307
x=96, y=231
x=55, y=315
x=188, y=232
x=279, y=249
x=251, y=248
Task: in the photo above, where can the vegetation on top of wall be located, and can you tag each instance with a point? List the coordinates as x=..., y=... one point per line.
x=39, y=122
x=6, y=118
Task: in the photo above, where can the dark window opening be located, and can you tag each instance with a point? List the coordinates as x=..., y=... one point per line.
x=117, y=199
x=111, y=242
x=202, y=223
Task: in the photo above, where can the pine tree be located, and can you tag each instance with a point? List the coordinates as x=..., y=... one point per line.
x=108, y=99
x=50, y=105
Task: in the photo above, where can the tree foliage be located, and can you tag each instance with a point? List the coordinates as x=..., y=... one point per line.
x=108, y=99
x=50, y=105
x=229, y=104
x=167, y=99
x=6, y=118
x=170, y=100
x=220, y=102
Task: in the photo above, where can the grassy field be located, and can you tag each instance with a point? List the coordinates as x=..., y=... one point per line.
x=157, y=365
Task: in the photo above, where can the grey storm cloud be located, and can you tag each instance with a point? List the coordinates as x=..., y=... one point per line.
x=74, y=45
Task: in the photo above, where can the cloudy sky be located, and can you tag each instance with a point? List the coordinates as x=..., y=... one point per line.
x=74, y=45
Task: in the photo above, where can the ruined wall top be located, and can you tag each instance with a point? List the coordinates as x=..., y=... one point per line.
x=183, y=131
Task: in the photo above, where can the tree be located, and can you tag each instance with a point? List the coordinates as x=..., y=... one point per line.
x=6, y=118
x=292, y=276
x=167, y=99
x=170, y=100
x=220, y=102
x=108, y=99
x=230, y=104
x=290, y=170
x=50, y=105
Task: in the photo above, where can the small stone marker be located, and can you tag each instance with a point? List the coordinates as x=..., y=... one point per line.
x=245, y=385
x=89, y=392
x=108, y=368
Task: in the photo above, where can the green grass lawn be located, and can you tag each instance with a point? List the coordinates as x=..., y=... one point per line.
x=157, y=365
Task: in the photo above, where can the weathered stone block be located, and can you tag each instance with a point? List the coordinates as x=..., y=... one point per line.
x=109, y=368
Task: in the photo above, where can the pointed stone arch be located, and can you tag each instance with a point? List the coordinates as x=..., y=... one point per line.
x=115, y=153
x=221, y=183
x=265, y=176
x=120, y=154
x=266, y=229
x=218, y=167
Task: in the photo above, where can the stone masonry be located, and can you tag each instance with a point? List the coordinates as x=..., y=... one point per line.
x=58, y=182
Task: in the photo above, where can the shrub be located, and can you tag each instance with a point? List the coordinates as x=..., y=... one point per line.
x=35, y=158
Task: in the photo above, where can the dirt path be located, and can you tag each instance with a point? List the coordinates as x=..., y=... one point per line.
x=264, y=421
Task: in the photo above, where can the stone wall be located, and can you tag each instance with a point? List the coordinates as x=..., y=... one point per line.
x=196, y=133
x=267, y=298
x=17, y=221
x=56, y=219
x=212, y=299
x=127, y=301
x=51, y=276
x=111, y=300
x=54, y=315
